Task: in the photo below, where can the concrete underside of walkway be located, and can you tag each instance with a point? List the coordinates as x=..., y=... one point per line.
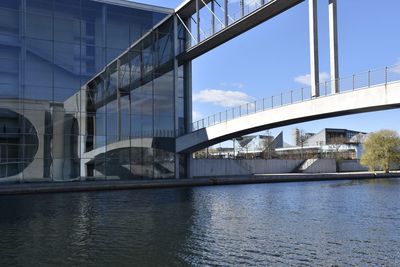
x=37, y=188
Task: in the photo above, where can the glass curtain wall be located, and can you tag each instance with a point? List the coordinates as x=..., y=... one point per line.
x=48, y=50
x=134, y=112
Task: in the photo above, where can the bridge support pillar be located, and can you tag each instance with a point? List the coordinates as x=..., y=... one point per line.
x=314, y=61
x=333, y=46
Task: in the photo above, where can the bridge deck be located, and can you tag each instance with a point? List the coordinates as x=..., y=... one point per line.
x=378, y=97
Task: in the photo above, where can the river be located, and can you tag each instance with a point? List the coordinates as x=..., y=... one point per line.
x=299, y=224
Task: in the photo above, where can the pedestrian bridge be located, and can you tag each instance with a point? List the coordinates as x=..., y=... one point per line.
x=365, y=92
x=227, y=19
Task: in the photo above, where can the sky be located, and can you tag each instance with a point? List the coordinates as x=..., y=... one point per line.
x=274, y=57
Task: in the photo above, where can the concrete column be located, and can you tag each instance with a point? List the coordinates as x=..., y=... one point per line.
x=333, y=46
x=188, y=110
x=314, y=63
x=82, y=99
x=58, y=142
x=119, y=120
x=176, y=80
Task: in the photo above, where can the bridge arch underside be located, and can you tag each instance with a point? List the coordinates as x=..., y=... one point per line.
x=376, y=98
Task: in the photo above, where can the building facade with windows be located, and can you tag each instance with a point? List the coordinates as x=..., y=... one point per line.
x=89, y=89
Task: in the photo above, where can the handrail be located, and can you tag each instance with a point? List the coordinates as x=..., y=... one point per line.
x=248, y=8
x=358, y=81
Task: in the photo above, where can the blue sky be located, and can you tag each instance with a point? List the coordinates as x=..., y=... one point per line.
x=274, y=58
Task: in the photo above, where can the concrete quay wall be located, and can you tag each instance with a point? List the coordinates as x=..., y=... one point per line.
x=234, y=167
x=40, y=188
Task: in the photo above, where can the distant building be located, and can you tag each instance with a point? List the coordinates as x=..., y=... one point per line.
x=249, y=146
x=298, y=136
x=329, y=136
x=329, y=142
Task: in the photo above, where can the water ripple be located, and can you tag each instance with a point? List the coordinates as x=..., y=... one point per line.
x=296, y=224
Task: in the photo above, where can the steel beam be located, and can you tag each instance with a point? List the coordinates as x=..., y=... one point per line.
x=333, y=46
x=226, y=13
x=212, y=16
x=314, y=62
x=198, y=20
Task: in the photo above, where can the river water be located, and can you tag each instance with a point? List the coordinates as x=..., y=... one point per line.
x=300, y=224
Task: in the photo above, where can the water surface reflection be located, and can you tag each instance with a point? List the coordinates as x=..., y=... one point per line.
x=318, y=223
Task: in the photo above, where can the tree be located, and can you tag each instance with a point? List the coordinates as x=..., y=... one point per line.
x=302, y=140
x=268, y=146
x=381, y=150
x=335, y=144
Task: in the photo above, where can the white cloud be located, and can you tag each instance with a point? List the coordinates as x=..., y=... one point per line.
x=306, y=79
x=222, y=98
x=196, y=115
x=236, y=85
x=396, y=68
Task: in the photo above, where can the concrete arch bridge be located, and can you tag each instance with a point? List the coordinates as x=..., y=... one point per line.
x=366, y=92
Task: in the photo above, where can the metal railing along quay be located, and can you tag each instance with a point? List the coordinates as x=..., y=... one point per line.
x=358, y=81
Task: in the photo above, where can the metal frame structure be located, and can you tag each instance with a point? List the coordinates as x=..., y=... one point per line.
x=189, y=11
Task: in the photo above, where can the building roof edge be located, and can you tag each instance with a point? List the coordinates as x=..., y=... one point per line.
x=142, y=6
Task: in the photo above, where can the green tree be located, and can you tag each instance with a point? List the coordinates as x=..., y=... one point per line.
x=381, y=150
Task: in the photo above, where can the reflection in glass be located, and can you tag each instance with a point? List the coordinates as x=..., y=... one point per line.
x=71, y=107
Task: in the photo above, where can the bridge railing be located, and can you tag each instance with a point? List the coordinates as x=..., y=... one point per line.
x=248, y=8
x=358, y=81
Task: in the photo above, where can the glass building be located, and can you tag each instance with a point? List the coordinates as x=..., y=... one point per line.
x=89, y=89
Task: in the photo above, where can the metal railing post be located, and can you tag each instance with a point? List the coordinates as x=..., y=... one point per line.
x=302, y=94
x=247, y=107
x=220, y=117
x=291, y=96
x=354, y=81
x=272, y=101
x=263, y=104
x=386, y=75
x=255, y=106
x=281, y=99
x=369, y=78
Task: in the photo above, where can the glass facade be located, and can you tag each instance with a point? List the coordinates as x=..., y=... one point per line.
x=68, y=109
x=134, y=111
